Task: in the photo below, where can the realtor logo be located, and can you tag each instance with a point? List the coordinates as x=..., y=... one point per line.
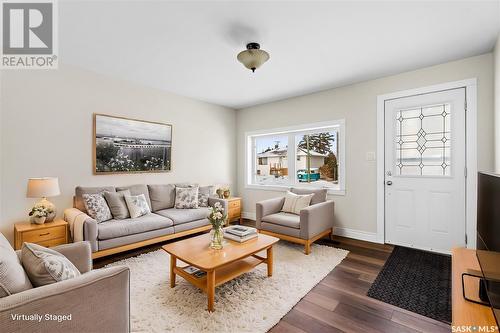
x=28, y=34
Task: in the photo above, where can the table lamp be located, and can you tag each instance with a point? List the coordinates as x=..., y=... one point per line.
x=44, y=188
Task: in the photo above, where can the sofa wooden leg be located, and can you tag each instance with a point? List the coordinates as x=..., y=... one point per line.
x=307, y=247
x=330, y=235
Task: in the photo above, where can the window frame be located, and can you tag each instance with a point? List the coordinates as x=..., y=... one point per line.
x=292, y=131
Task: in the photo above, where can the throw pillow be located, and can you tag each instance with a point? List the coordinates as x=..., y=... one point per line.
x=96, y=207
x=294, y=203
x=45, y=266
x=117, y=204
x=13, y=278
x=204, y=193
x=186, y=197
x=162, y=196
x=137, y=205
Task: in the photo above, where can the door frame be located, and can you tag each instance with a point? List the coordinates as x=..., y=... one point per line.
x=470, y=86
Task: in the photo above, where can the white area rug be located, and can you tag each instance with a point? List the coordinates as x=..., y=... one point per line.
x=251, y=303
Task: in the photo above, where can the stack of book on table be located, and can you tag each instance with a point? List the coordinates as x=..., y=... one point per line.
x=240, y=233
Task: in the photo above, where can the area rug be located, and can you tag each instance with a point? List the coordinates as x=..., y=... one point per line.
x=417, y=281
x=251, y=303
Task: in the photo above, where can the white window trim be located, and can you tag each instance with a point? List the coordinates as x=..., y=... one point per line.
x=250, y=155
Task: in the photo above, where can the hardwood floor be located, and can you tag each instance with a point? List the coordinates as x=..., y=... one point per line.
x=339, y=302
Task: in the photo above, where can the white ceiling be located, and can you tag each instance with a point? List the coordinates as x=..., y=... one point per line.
x=190, y=48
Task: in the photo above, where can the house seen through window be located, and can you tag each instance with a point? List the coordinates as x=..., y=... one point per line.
x=302, y=158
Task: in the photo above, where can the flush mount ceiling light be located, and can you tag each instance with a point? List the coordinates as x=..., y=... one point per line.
x=253, y=57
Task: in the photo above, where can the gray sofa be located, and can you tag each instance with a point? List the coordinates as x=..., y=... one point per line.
x=98, y=300
x=313, y=223
x=165, y=222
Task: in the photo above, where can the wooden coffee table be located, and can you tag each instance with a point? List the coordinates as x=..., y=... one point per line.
x=222, y=265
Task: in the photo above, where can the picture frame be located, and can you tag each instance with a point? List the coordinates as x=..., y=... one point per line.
x=124, y=145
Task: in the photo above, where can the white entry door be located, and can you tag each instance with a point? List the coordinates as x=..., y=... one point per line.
x=425, y=170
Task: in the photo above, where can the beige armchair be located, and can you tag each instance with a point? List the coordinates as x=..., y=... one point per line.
x=313, y=223
x=97, y=300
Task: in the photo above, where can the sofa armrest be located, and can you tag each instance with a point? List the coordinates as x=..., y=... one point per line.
x=97, y=301
x=316, y=219
x=82, y=227
x=267, y=207
x=224, y=203
x=79, y=253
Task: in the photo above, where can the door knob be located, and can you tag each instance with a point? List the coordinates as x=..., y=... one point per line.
x=389, y=182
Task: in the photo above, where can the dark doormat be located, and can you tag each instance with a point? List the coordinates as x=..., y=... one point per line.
x=417, y=281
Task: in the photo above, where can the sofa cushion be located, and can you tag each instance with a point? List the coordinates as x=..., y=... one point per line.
x=117, y=204
x=186, y=185
x=284, y=219
x=13, y=278
x=119, y=228
x=136, y=190
x=319, y=194
x=97, y=207
x=137, y=205
x=180, y=216
x=279, y=229
x=46, y=266
x=186, y=197
x=79, y=191
x=161, y=196
x=204, y=193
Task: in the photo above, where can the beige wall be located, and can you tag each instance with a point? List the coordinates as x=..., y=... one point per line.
x=46, y=130
x=496, y=66
x=357, y=104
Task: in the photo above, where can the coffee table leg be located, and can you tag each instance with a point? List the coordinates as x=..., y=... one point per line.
x=173, y=263
x=270, y=261
x=211, y=290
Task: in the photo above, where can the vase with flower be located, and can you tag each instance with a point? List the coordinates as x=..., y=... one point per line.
x=217, y=218
x=38, y=214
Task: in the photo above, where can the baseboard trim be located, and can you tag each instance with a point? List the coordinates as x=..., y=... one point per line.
x=344, y=232
x=356, y=234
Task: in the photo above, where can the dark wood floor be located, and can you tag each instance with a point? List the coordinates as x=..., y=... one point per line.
x=339, y=302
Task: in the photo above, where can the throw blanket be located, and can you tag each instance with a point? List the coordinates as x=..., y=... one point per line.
x=75, y=218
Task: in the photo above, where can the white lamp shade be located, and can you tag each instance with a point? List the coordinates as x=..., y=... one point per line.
x=43, y=187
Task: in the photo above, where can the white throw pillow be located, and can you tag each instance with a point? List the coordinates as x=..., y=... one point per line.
x=137, y=205
x=294, y=203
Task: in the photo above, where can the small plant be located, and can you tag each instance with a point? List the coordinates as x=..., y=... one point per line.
x=39, y=211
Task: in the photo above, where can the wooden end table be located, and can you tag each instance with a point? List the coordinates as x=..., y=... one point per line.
x=220, y=266
x=48, y=234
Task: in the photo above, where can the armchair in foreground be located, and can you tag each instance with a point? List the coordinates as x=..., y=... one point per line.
x=313, y=223
x=95, y=301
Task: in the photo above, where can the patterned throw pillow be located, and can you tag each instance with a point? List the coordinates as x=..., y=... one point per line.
x=204, y=193
x=137, y=205
x=45, y=266
x=96, y=207
x=186, y=197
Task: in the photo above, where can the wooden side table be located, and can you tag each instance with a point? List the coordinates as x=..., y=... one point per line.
x=47, y=234
x=234, y=209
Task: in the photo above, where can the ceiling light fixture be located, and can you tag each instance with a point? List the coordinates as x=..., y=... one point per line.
x=253, y=57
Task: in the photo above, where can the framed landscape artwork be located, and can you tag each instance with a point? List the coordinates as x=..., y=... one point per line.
x=123, y=145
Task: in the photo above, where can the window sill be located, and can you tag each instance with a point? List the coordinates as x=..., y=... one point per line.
x=284, y=188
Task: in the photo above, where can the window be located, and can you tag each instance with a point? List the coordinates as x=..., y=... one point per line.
x=423, y=141
x=302, y=156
